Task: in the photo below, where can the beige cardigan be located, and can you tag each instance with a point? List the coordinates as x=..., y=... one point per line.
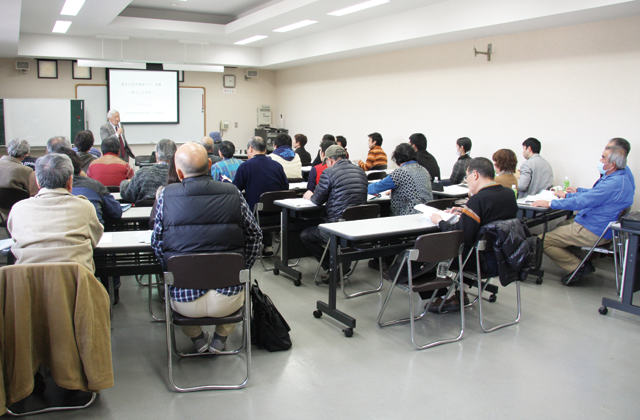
x=56, y=315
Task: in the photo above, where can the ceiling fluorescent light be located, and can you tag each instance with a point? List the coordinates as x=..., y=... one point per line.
x=252, y=39
x=298, y=25
x=358, y=7
x=61, y=26
x=194, y=67
x=72, y=7
x=112, y=64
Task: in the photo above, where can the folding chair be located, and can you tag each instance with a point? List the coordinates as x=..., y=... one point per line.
x=208, y=271
x=441, y=204
x=616, y=250
x=9, y=197
x=266, y=209
x=378, y=167
x=373, y=176
x=113, y=188
x=362, y=212
x=432, y=248
x=483, y=246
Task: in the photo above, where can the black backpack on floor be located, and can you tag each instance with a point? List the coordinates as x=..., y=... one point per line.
x=269, y=330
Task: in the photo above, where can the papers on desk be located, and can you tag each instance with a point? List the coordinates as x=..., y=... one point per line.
x=456, y=189
x=5, y=244
x=546, y=195
x=427, y=211
x=107, y=238
x=298, y=202
x=125, y=206
x=144, y=237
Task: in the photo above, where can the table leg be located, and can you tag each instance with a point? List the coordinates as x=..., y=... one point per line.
x=626, y=304
x=283, y=264
x=330, y=309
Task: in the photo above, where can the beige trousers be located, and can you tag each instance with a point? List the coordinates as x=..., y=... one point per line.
x=558, y=240
x=211, y=304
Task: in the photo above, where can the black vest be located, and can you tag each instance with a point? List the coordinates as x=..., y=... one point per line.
x=201, y=215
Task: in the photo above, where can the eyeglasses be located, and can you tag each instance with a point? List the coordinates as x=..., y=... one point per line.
x=465, y=177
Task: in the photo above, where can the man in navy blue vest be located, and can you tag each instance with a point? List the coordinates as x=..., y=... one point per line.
x=200, y=215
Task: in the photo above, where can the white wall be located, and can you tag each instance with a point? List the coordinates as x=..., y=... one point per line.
x=573, y=88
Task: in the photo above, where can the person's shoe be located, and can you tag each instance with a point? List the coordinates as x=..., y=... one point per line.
x=267, y=251
x=116, y=297
x=325, y=277
x=218, y=344
x=202, y=344
x=586, y=269
x=450, y=305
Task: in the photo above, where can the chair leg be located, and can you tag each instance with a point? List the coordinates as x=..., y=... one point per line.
x=506, y=324
x=156, y=319
x=139, y=280
x=364, y=292
x=315, y=277
x=595, y=244
x=53, y=409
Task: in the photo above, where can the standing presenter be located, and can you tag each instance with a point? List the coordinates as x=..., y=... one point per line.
x=113, y=130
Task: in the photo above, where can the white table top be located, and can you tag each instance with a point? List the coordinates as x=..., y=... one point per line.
x=137, y=213
x=124, y=239
x=117, y=196
x=362, y=230
x=453, y=191
x=298, y=186
x=303, y=204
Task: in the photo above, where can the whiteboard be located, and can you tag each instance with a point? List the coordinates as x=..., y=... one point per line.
x=36, y=120
x=191, y=127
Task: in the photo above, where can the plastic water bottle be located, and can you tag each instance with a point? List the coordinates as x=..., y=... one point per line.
x=515, y=190
x=566, y=183
x=443, y=268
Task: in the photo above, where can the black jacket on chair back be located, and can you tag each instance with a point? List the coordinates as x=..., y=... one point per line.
x=201, y=215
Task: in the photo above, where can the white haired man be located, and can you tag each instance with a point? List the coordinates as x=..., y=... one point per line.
x=114, y=130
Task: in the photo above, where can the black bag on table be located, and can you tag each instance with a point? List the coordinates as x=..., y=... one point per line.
x=269, y=330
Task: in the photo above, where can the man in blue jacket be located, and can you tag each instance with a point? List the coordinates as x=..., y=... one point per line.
x=597, y=206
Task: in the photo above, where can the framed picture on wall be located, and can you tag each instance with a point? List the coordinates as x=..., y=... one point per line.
x=81, y=72
x=47, y=69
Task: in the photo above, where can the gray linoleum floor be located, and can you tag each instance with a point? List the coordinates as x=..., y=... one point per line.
x=563, y=361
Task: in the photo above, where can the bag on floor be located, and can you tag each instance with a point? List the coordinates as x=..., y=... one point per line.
x=269, y=330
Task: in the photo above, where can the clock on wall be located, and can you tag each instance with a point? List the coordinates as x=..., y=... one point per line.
x=229, y=81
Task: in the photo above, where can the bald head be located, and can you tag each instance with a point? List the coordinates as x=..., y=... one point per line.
x=207, y=142
x=192, y=160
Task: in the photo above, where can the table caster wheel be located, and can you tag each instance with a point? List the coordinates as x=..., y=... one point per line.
x=539, y=280
x=493, y=298
x=297, y=283
x=317, y=313
x=276, y=271
x=603, y=310
x=348, y=332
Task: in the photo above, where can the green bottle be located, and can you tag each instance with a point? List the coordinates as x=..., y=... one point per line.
x=566, y=183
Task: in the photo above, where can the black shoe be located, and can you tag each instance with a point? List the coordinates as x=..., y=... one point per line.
x=325, y=277
x=375, y=264
x=116, y=296
x=586, y=269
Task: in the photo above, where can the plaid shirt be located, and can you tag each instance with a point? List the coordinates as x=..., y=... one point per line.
x=227, y=167
x=460, y=169
x=252, y=241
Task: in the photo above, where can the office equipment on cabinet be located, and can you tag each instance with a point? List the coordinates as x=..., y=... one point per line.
x=264, y=116
x=269, y=135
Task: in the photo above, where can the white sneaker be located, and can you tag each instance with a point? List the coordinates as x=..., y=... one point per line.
x=202, y=344
x=218, y=344
x=267, y=251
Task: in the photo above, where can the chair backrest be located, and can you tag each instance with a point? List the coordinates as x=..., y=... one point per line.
x=266, y=200
x=376, y=175
x=622, y=214
x=142, y=159
x=205, y=271
x=10, y=196
x=113, y=188
x=364, y=211
x=441, y=204
x=442, y=246
x=144, y=203
x=378, y=167
x=294, y=180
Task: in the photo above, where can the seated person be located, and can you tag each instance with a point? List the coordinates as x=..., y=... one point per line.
x=13, y=174
x=299, y=141
x=377, y=158
x=342, y=142
x=258, y=175
x=489, y=202
x=145, y=182
x=285, y=156
x=229, y=165
x=316, y=171
x=212, y=151
x=505, y=162
x=41, y=227
x=110, y=170
x=410, y=184
x=83, y=144
x=463, y=147
x=57, y=143
x=217, y=141
x=317, y=160
x=425, y=159
x=341, y=185
x=536, y=174
x=185, y=223
x=597, y=206
x=29, y=161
